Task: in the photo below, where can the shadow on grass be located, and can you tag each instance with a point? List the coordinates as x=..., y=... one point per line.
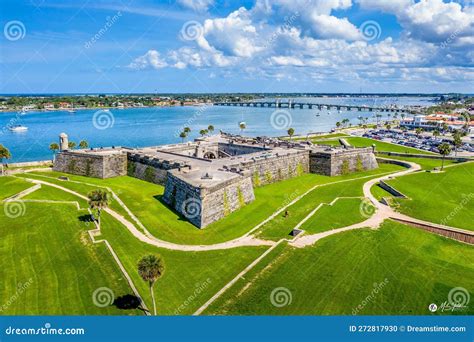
x=179, y=217
x=85, y=218
x=128, y=302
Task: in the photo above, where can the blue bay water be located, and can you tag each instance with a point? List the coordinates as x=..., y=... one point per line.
x=138, y=127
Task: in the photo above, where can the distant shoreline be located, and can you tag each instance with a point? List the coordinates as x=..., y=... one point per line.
x=96, y=108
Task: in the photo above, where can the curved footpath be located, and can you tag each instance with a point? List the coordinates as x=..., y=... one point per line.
x=151, y=240
x=382, y=213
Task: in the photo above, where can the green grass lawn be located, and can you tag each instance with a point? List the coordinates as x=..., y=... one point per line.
x=144, y=200
x=425, y=163
x=367, y=142
x=281, y=226
x=344, y=212
x=190, y=278
x=10, y=186
x=49, y=266
x=334, y=143
x=446, y=197
x=54, y=194
x=410, y=269
x=383, y=146
x=83, y=189
x=322, y=136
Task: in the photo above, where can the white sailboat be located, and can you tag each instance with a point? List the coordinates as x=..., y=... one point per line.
x=18, y=128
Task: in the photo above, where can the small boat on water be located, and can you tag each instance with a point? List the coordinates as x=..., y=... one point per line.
x=18, y=128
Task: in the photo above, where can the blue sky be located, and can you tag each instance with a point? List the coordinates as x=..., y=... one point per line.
x=227, y=46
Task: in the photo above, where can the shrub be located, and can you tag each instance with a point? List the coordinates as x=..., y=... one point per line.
x=226, y=203
x=256, y=179
x=240, y=195
x=268, y=177
x=149, y=174
x=345, y=167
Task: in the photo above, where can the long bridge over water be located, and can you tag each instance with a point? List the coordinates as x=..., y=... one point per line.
x=294, y=104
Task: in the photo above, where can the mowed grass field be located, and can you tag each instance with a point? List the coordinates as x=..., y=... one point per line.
x=189, y=279
x=49, y=266
x=344, y=212
x=446, y=197
x=281, y=225
x=10, y=186
x=144, y=200
x=367, y=142
x=410, y=269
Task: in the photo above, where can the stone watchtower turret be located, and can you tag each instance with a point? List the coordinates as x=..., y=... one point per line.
x=63, y=142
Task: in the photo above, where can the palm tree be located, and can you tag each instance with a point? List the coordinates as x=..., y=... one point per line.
x=98, y=199
x=338, y=124
x=150, y=268
x=187, y=130
x=4, y=154
x=290, y=132
x=71, y=145
x=457, y=142
x=445, y=127
x=378, y=116
x=83, y=144
x=388, y=126
x=418, y=131
x=210, y=128
x=203, y=132
x=444, y=149
x=183, y=136
x=436, y=133
x=242, y=126
x=54, y=147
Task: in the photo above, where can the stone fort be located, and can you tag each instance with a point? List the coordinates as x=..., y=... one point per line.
x=207, y=179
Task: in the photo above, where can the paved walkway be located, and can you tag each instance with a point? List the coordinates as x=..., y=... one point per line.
x=240, y=242
x=382, y=213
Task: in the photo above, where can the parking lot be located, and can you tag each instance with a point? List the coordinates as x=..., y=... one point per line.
x=425, y=141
